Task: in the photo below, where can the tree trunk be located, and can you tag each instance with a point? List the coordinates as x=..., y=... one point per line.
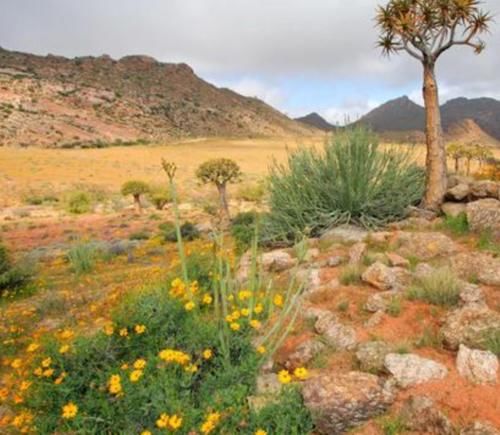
x=137, y=201
x=223, y=200
x=436, y=183
x=456, y=165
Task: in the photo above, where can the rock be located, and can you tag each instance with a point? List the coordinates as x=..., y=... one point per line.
x=468, y=325
x=455, y=179
x=484, y=215
x=472, y=294
x=314, y=313
x=421, y=415
x=485, y=189
x=453, y=209
x=244, y=266
x=480, y=428
x=374, y=319
x=344, y=234
x=380, y=237
x=380, y=301
x=310, y=278
x=334, y=261
x=371, y=355
x=304, y=353
x=396, y=260
x=385, y=278
x=482, y=266
x=205, y=227
x=423, y=270
x=478, y=366
x=267, y=391
x=311, y=254
x=340, y=401
x=410, y=369
x=277, y=261
x=336, y=334
x=357, y=252
x=425, y=245
x=459, y=192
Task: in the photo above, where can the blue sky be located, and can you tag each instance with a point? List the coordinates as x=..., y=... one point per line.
x=298, y=55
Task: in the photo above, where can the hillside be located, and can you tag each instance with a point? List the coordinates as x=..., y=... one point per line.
x=317, y=121
x=53, y=101
x=463, y=119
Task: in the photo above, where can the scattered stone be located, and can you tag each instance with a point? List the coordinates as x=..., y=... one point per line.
x=334, y=261
x=310, y=278
x=484, y=215
x=385, y=278
x=380, y=301
x=277, y=261
x=455, y=179
x=410, y=369
x=472, y=294
x=425, y=245
x=371, y=356
x=357, y=252
x=304, y=353
x=396, y=260
x=314, y=313
x=339, y=402
x=482, y=266
x=421, y=415
x=205, y=227
x=485, y=189
x=453, y=209
x=374, y=319
x=480, y=428
x=478, y=366
x=468, y=325
x=459, y=192
x=344, y=234
x=380, y=237
x=423, y=270
x=336, y=334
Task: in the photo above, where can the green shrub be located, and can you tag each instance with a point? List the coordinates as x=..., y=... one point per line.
x=140, y=235
x=352, y=180
x=82, y=257
x=243, y=230
x=13, y=277
x=487, y=242
x=457, y=224
x=252, y=191
x=159, y=197
x=351, y=274
x=79, y=202
x=393, y=425
x=492, y=341
x=440, y=287
x=188, y=231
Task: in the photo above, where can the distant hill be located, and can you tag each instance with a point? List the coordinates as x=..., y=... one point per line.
x=463, y=119
x=317, y=121
x=52, y=101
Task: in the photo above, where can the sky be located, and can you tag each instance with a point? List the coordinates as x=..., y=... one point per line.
x=297, y=55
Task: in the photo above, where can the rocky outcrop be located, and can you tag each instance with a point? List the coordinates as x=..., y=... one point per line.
x=336, y=334
x=277, y=261
x=482, y=266
x=344, y=234
x=484, y=215
x=383, y=277
x=422, y=416
x=371, y=356
x=478, y=366
x=304, y=353
x=409, y=369
x=380, y=301
x=480, y=428
x=339, y=402
x=425, y=245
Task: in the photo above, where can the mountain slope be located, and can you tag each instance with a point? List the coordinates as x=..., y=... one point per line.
x=317, y=121
x=55, y=101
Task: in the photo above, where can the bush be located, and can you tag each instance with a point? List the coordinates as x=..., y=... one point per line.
x=457, y=224
x=79, y=202
x=243, y=230
x=188, y=231
x=351, y=181
x=440, y=287
x=140, y=235
x=82, y=257
x=351, y=274
x=12, y=277
x=159, y=197
x=252, y=191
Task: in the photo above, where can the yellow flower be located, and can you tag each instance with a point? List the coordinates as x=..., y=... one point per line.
x=124, y=366
x=175, y=422
x=255, y=324
x=260, y=432
x=235, y=315
x=59, y=380
x=229, y=318
x=123, y=332
x=16, y=363
x=258, y=308
x=244, y=294
x=235, y=326
x=301, y=373
x=4, y=393
x=48, y=373
x=25, y=385
x=135, y=375
x=261, y=350
x=284, y=377
x=69, y=411
x=32, y=347
x=108, y=330
x=207, y=427
x=140, y=364
x=38, y=371
x=114, y=385
x=245, y=312
x=67, y=333
x=278, y=300
x=207, y=299
x=64, y=348
x=189, y=306
x=140, y=329
x=207, y=354
x=162, y=422
x=47, y=362
x=191, y=368
x=146, y=432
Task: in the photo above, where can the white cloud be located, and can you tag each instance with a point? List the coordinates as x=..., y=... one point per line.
x=256, y=88
x=348, y=111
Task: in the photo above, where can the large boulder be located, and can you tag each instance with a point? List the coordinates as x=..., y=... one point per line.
x=383, y=277
x=410, y=369
x=469, y=325
x=480, y=428
x=482, y=266
x=422, y=416
x=453, y=209
x=304, y=353
x=425, y=245
x=484, y=215
x=336, y=334
x=478, y=366
x=344, y=234
x=371, y=356
x=485, y=189
x=459, y=192
x=339, y=402
x=277, y=261
x=380, y=301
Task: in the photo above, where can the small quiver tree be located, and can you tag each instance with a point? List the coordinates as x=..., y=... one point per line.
x=136, y=188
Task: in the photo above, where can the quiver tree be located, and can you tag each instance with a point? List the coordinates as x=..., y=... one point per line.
x=220, y=172
x=135, y=188
x=456, y=152
x=425, y=29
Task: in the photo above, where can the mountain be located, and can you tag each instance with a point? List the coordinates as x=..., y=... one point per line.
x=52, y=101
x=463, y=119
x=317, y=121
